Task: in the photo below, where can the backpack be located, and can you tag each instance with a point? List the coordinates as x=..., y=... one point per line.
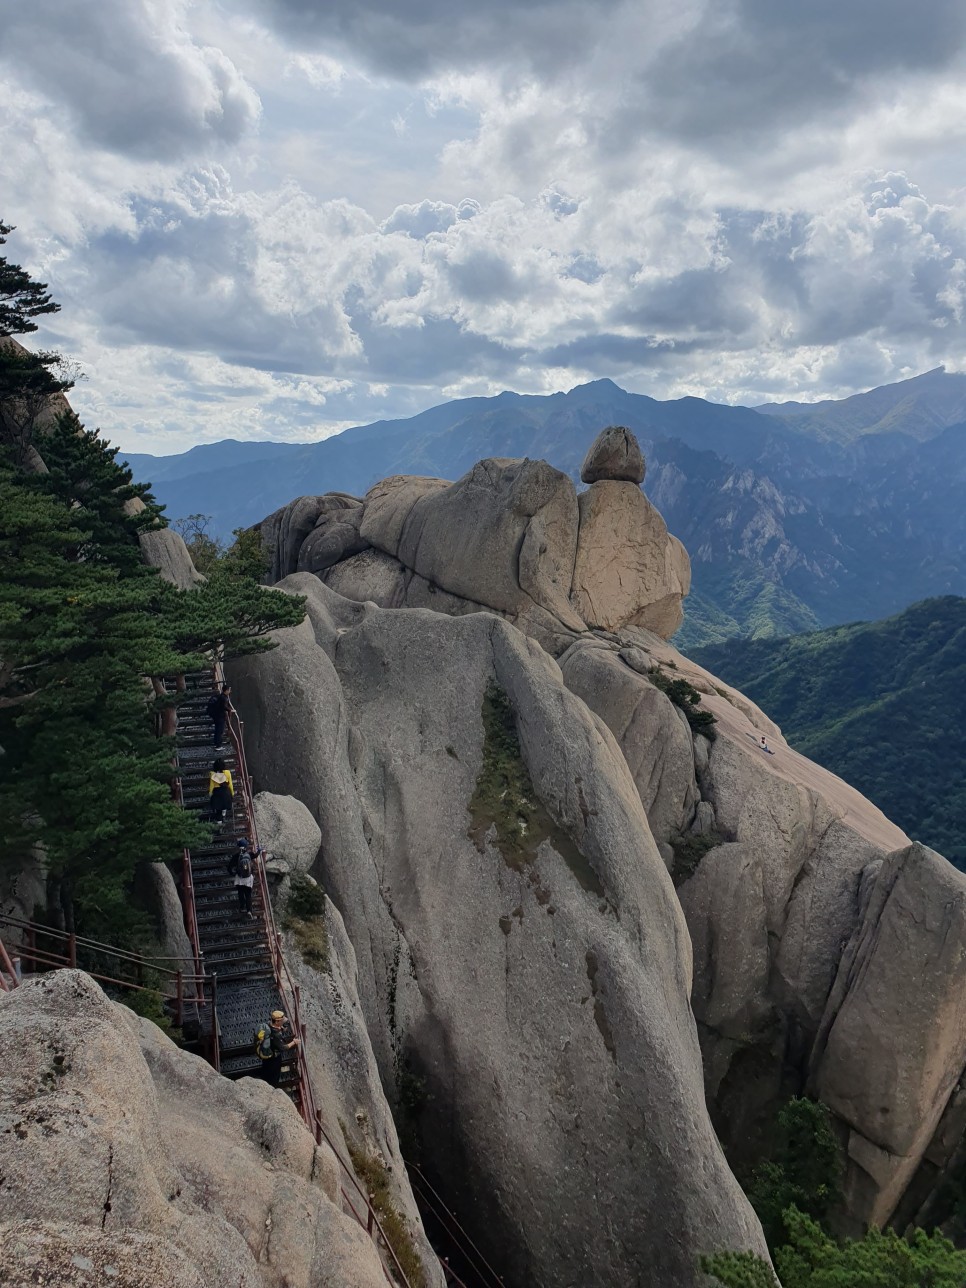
x=213, y=707
x=243, y=868
x=263, y=1041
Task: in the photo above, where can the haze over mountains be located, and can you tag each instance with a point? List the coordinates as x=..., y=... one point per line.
x=795, y=515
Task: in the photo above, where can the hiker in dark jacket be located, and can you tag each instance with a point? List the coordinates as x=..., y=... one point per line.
x=219, y=704
x=282, y=1041
x=241, y=866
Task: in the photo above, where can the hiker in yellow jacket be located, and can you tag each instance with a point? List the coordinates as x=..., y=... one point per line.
x=221, y=791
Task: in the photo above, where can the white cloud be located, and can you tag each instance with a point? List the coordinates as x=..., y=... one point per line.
x=277, y=228
x=130, y=74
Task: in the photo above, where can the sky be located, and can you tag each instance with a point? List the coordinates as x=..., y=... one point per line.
x=277, y=218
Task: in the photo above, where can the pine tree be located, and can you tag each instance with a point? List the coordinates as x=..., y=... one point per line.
x=28, y=381
x=21, y=297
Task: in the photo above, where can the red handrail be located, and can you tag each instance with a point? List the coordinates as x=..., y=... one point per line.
x=7, y=968
x=175, y=982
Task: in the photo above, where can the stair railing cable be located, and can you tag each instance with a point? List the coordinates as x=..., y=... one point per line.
x=435, y=1202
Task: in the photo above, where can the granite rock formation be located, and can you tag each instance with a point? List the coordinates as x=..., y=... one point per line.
x=127, y=1160
x=535, y=985
x=511, y=536
x=791, y=883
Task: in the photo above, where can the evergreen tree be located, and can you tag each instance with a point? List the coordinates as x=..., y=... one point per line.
x=28, y=381
x=21, y=297
x=83, y=624
x=83, y=473
x=810, y=1259
x=805, y=1169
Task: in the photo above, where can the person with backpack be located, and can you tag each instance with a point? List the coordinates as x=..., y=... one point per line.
x=241, y=866
x=221, y=792
x=217, y=709
x=272, y=1042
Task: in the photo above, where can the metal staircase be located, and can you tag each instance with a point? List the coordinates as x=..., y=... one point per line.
x=244, y=955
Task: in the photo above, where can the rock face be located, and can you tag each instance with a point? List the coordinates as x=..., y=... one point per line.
x=127, y=1160
x=628, y=570
x=892, y=1044
x=537, y=994
x=510, y=536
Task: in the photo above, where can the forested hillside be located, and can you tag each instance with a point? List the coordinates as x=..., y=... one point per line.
x=881, y=704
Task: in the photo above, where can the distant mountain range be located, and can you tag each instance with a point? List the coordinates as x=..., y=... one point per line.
x=795, y=515
x=881, y=704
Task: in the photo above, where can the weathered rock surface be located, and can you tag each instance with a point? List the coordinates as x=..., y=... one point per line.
x=508, y=537
x=614, y=454
x=651, y=732
x=540, y=999
x=165, y=550
x=892, y=1045
x=287, y=830
x=812, y=921
x=118, y=1149
x=628, y=570
x=161, y=897
x=345, y=1076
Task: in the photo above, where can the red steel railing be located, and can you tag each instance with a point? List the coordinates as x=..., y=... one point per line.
x=177, y=985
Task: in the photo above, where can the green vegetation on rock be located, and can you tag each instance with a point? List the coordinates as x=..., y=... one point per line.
x=504, y=798
x=881, y=704
x=687, y=697
x=804, y=1171
x=374, y=1177
x=812, y=1259
x=304, y=919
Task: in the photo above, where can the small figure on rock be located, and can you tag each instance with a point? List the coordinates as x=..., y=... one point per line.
x=221, y=792
x=241, y=866
x=219, y=705
x=271, y=1044
x=763, y=744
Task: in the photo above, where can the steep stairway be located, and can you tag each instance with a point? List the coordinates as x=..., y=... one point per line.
x=235, y=949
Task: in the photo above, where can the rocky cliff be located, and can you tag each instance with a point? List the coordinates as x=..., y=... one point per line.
x=536, y=973
x=127, y=1161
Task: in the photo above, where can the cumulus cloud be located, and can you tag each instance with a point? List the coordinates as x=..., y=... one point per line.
x=288, y=222
x=130, y=74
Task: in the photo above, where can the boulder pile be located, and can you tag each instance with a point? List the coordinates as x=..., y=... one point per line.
x=511, y=537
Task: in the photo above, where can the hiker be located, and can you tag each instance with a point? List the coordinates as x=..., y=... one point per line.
x=241, y=866
x=763, y=744
x=281, y=1039
x=219, y=704
x=221, y=790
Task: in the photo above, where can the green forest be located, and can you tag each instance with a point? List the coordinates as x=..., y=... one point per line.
x=881, y=704
x=86, y=632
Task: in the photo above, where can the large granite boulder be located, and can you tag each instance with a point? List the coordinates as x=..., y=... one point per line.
x=628, y=570
x=505, y=535
x=118, y=1149
x=892, y=1043
x=533, y=984
x=287, y=830
x=614, y=454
